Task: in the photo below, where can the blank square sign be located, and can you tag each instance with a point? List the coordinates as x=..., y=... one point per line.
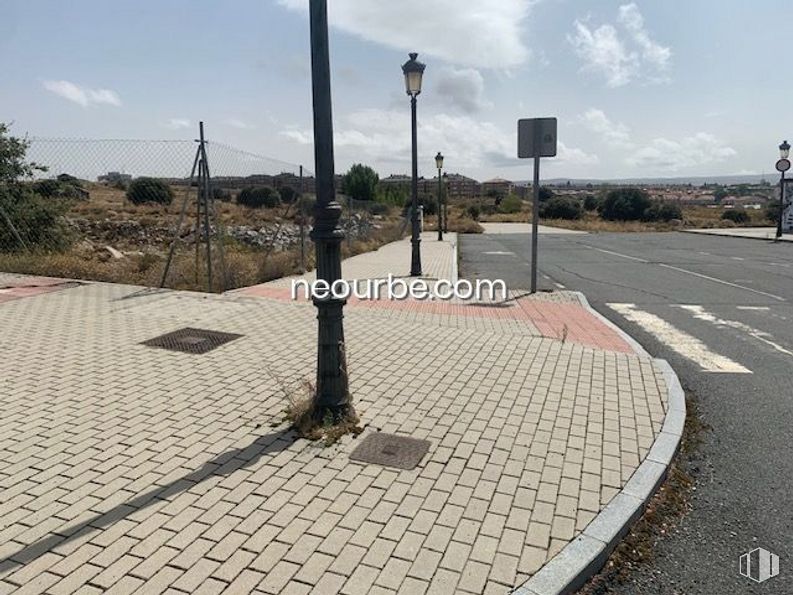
x=536, y=137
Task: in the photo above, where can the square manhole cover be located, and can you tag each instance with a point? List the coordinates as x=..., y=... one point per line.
x=191, y=340
x=391, y=450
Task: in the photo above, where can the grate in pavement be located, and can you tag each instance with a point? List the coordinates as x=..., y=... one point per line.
x=391, y=450
x=191, y=340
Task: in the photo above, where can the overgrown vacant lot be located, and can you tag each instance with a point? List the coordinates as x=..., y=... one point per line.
x=259, y=244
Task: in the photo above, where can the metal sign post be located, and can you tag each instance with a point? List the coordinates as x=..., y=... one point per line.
x=536, y=139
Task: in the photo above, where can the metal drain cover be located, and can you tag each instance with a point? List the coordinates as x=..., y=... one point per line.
x=391, y=450
x=191, y=340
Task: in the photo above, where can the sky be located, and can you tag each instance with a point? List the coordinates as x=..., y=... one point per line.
x=649, y=88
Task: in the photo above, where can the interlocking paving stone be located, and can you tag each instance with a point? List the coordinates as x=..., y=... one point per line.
x=170, y=461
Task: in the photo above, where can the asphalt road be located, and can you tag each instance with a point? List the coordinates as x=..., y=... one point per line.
x=720, y=311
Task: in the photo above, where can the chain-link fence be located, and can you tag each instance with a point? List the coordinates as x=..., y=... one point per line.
x=182, y=214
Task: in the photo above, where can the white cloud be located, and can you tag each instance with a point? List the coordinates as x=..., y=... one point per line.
x=465, y=32
x=178, y=123
x=463, y=88
x=82, y=95
x=653, y=53
x=614, y=133
x=382, y=138
x=669, y=155
x=604, y=51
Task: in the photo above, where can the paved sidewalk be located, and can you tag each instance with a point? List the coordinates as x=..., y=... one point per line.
x=125, y=468
x=755, y=233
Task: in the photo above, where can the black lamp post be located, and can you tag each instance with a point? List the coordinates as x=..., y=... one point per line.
x=439, y=165
x=413, y=71
x=332, y=396
x=782, y=166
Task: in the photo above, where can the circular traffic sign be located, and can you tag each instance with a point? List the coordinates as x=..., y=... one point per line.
x=783, y=165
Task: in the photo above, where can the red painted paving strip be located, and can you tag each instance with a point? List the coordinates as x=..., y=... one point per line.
x=557, y=321
x=30, y=286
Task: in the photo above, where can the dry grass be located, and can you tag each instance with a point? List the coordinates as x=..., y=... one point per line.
x=313, y=424
x=462, y=224
x=592, y=223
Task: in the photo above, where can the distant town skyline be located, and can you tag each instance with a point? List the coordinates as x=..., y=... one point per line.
x=640, y=90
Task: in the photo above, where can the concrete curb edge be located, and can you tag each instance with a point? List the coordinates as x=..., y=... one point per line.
x=725, y=235
x=580, y=559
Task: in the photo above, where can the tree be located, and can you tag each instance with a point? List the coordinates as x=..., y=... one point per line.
x=561, y=207
x=27, y=221
x=258, y=197
x=625, y=204
x=149, y=190
x=13, y=165
x=719, y=195
x=360, y=182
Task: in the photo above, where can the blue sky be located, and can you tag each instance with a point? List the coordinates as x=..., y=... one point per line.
x=644, y=88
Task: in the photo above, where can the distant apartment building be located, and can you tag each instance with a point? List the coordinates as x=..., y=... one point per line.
x=459, y=186
x=498, y=185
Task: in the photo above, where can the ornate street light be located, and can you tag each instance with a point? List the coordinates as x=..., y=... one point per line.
x=332, y=391
x=782, y=166
x=414, y=71
x=439, y=165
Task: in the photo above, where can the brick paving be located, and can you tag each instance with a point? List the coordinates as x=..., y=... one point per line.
x=130, y=469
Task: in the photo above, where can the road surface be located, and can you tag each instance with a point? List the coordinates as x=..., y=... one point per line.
x=720, y=311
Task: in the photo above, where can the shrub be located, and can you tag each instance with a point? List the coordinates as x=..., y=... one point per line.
x=430, y=205
x=561, y=208
x=60, y=188
x=473, y=212
x=47, y=188
x=625, y=204
x=288, y=194
x=591, y=202
x=510, y=204
x=772, y=212
x=546, y=194
x=256, y=198
x=662, y=211
x=149, y=190
x=736, y=216
x=37, y=221
x=221, y=194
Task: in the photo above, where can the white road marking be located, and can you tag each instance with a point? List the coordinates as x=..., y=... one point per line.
x=622, y=255
x=705, y=253
x=559, y=285
x=680, y=342
x=737, y=258
x=779, y=264
x=701, y=314
x=715, y=280
x=700, y=275
x=758, y=308
x=498, y=253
